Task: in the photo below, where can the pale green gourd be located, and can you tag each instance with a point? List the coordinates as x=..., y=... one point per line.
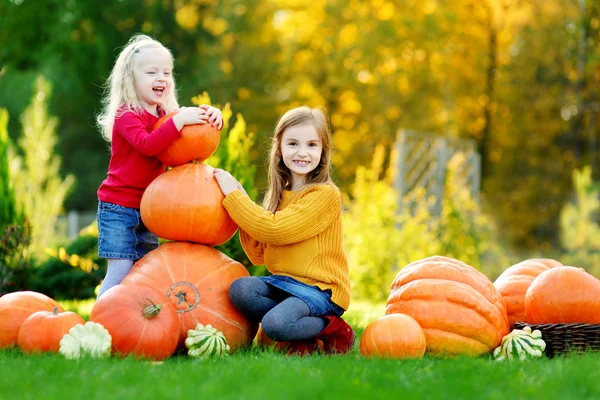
x=206, y=341
x=521, y=344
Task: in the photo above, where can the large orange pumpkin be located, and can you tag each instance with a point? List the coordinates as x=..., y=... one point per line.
x=196, y=279
x=197, y=142
x=457, y=306
x=15, y=308
x=140, y=320
x=43, y=330
x=514, y=282
x=563, y=295
x=393, y=336
x=184, y=204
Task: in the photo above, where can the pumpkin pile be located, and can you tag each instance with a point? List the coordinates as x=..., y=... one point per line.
x=37, y=324
x=458, y=308
x=190, y=279
x=514, y=282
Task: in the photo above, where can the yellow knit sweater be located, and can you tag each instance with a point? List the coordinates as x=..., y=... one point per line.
x=302, y=240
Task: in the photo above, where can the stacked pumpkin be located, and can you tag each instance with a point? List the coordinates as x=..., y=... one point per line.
x=514, y=282
x=543, y=291
x=442, y=306
x=184, y=284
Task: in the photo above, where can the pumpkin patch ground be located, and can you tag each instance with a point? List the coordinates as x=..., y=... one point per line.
x=259, y=374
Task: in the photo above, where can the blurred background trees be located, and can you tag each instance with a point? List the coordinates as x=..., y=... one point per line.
x=520, y=77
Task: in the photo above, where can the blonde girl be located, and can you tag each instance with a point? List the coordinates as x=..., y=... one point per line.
x=140, y=90
x=297, y=234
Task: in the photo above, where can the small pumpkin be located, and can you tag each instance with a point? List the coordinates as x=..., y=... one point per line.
x=15, y=308
x=197, y=142
x=184, y=204
x=393, y=336
x=458, y=307
x=42, y=331
x=522, y=344
x=140, y=320
x=196, y=280
x=514, y=282
x=563, y=295
x=206, y=341
x=90, y=339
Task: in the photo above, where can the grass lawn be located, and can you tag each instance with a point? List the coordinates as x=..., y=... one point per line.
x=256, y=374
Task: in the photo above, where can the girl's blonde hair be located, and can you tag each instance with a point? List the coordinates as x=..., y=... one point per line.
x=120, y=86
x=280, y=176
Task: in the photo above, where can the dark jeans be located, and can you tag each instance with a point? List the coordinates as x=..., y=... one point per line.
x=283, y=316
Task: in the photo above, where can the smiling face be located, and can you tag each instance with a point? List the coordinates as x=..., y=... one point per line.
x=301, y=150
x=152, y=73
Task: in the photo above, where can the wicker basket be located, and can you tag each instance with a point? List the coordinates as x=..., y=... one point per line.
x=566, y=338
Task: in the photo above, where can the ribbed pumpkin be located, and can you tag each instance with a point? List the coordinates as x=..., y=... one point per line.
x=197, y=142
x=514, y=282
x=393, y=336
x=196, y=279
x=563, y=295
x=184, y=204
x=15, y=308
x=458, y=307
x=140, y=320
x=42, y=331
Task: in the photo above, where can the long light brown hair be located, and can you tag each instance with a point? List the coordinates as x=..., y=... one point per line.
x=280, y=176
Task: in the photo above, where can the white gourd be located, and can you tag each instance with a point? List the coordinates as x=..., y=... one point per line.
x=91, y=339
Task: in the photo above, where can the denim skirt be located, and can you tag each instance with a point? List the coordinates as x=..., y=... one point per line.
x=319, y=301
x=122, y=234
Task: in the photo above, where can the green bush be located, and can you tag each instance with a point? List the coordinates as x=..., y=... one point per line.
x=72, y=272
x=233, y=155
x=379, y=240
x=579, y=229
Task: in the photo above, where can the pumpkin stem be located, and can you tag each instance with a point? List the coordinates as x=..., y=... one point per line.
x=55, y=311
x=151, y=310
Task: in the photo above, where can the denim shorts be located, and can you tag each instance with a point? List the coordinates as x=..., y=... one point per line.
x=122, y=234
x=319, y=301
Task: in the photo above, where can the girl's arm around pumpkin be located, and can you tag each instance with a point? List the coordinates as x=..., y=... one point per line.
x=310, y=215
x=253, y=248
x=131, y=126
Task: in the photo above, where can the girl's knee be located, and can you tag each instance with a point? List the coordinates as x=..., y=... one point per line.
x=274, y=327
x=243, y=288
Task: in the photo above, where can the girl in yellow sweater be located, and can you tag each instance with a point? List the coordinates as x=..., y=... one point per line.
x=298, y=236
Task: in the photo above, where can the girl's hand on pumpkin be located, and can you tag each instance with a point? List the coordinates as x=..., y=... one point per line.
x=215, y=117
x=190, y=116
x=226, y=181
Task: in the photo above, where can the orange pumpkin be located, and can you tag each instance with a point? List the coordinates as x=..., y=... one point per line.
x=140, y=320
x=196, y=279
x=458, y=307
x=184, y=204
x=43, y=330
x=393, y=336
x=15, y=308
x=563, y=295
x=197, y=142
x=514, y=282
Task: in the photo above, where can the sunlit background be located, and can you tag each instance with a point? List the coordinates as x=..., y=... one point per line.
x=513, y=81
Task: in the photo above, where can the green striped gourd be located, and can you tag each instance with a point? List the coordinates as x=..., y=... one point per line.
x=521, y=344
x=206, y=341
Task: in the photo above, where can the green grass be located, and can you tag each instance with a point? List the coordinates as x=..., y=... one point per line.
x=256, y=374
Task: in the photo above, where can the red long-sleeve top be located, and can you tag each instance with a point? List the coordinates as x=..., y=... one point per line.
x=133, y=163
